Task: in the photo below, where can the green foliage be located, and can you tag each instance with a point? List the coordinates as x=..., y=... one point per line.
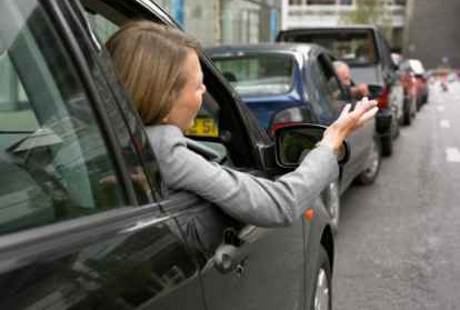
x=366, y=12
x=370, y=12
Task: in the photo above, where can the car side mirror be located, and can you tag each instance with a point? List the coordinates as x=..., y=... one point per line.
x=293, y=142
x=374, y=91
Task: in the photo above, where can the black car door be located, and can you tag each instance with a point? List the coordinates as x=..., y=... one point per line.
x=244, y=266
x=81, y=226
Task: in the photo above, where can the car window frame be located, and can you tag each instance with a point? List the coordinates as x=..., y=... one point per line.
x=232, y=109
x=315, y=60
x=121, y=103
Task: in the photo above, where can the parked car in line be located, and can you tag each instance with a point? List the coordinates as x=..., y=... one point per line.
x=296, y=83
x=414, y=68
x=368, y=54
x=86, y=222
x=411, y=94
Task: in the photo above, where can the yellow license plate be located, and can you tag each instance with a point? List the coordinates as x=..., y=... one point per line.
x=204, y=127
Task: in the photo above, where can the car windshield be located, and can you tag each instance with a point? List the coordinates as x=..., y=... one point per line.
x=356, y=47
x=257, y=75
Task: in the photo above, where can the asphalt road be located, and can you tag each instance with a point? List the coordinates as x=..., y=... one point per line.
x=398, y=245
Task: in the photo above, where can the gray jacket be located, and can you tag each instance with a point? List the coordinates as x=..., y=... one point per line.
x=247, y=198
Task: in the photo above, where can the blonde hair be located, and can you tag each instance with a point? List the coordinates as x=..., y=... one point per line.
x=149, y=58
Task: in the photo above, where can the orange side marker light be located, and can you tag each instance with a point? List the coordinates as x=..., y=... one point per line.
x=309, y=215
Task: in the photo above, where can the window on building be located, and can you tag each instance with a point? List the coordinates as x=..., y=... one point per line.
x=296, y=2
x=329, y=2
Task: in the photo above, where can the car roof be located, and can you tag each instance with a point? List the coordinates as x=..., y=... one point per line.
x=230, y=50
x=331, y=28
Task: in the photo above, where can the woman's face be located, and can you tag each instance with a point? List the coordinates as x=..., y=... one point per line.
x=188, y=102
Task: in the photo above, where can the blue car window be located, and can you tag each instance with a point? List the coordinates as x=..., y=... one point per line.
x=318, y=95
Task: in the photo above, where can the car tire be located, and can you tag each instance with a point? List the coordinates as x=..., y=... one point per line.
x=407, y=118
x=369, y=174
x=386, y=143
x=333, y=205
x=419, y=104
x=413, y=112
x=409, y=112
x=323, y=289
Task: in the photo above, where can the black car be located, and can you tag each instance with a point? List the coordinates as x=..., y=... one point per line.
x=85, y=219
x=296, y=83
x=368, y=54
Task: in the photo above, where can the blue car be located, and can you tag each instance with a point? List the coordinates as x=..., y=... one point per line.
x=284, y=84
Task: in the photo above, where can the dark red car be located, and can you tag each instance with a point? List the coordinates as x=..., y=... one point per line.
x=415, y=68
x=411, y=90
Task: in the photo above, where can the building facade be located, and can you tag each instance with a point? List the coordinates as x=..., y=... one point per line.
x=215, y=22
x=432, y=32
x=331, y=13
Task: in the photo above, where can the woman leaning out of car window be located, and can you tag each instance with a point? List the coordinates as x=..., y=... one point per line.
x=160, y=68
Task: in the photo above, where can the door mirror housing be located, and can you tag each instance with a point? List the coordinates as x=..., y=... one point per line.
x=293, y=142
x=374, y=91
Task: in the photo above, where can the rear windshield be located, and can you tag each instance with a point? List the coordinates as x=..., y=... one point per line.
x=257, y=75
x=356, y=47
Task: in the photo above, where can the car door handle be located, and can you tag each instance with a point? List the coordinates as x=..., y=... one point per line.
x=229, y=258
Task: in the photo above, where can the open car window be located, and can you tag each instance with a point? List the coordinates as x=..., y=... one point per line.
x=105, y=21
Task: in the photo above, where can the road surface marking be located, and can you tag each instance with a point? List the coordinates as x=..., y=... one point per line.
x=440, y=108
x=445, y=123
x=452, y=155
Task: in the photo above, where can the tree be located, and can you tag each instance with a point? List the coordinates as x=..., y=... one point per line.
x=370, y=12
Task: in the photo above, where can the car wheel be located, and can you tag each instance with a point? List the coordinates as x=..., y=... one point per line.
x=386, y=143
x=414, y=108
x=407, y=115
x=419, y=105
x=372, y=169
x=323, y=290
x=407, y=118
x=333, y=205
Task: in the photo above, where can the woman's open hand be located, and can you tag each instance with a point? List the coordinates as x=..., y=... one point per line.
x=348, y=121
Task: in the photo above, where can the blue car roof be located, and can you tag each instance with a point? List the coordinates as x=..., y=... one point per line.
x=234, y=50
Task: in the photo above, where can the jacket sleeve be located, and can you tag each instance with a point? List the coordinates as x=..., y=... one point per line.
x=247, y=198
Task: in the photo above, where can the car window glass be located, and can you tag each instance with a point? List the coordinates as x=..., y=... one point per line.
x=53, y=159
x=16, y=113
x=101, y=26
x=259, y=74
x=386, y=52
x=319, y=94
x=138, y=156
x=353, y=46
x=333, y=88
